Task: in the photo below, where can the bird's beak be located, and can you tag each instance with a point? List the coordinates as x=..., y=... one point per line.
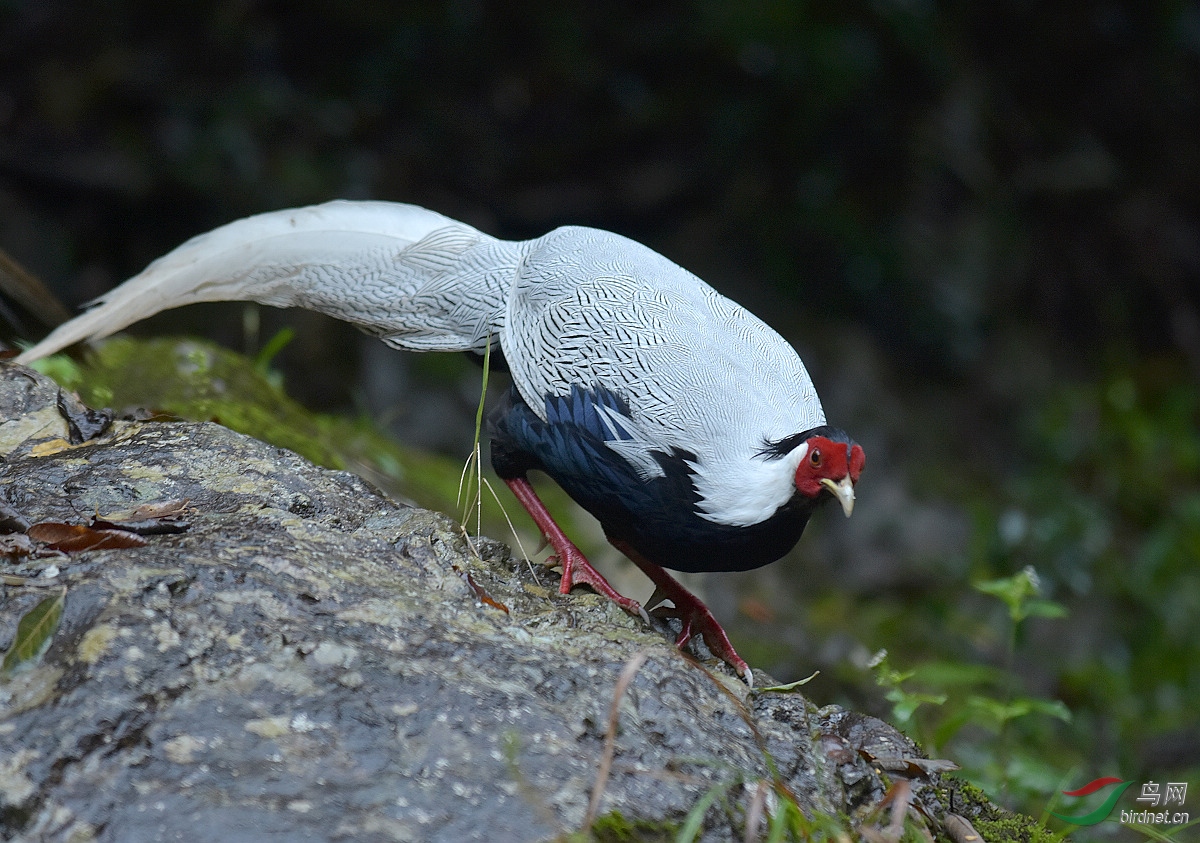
x=843, y=491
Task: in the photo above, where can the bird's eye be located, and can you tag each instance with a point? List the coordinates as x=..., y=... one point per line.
x=815, y=459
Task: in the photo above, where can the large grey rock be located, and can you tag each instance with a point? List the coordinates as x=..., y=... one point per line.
x=308, y=661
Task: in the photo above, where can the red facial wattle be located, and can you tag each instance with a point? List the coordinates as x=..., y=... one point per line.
x=831, y=466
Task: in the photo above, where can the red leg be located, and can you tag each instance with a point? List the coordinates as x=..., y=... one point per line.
x=694, y=615
x=576, y=569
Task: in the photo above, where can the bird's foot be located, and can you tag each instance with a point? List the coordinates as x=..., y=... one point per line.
x=696, y=618
x=693, y=614
x=578, y=571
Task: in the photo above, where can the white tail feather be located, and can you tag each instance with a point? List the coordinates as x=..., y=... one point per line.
x=352, y=260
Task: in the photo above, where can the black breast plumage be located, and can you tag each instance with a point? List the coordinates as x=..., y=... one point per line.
x=658, y=516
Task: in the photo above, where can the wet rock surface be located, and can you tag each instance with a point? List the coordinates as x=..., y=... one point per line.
x=308, y=660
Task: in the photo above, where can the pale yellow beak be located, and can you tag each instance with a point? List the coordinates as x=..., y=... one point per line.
x=843, y=491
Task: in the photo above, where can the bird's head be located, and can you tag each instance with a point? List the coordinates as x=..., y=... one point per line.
x=831, y=465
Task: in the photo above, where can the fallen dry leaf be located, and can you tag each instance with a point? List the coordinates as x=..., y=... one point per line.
x=73, y=538
x=164, y=509
x=151, y=519
x=909, y=766
x=960, y=829
x=480, y=593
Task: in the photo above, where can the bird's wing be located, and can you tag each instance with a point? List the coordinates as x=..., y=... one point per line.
x=411, y=276
x=699, y=373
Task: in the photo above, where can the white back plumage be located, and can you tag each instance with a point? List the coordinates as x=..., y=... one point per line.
x=577, y=306
x=700, y=373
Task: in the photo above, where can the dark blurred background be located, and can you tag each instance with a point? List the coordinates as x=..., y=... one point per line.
x=979, y=223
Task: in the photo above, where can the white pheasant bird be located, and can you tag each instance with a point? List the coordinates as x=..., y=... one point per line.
x=687, y=426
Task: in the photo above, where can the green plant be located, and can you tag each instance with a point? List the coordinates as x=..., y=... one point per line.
x=939, y=701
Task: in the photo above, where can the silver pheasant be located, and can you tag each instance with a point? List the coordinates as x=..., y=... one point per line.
x=683, y=422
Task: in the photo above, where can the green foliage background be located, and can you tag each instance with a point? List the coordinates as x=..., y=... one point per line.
x=978, y=222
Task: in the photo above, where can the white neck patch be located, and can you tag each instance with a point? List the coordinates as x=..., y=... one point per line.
x=743, y=491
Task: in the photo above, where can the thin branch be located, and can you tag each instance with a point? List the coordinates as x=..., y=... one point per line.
x=754, y=812
x=610, y=736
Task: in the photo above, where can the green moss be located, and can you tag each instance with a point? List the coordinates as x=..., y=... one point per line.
x=994, y=824
x=1014, y=827
x=200, y=381
x=615, y=827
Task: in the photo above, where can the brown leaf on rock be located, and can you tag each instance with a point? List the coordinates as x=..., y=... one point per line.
x=480, y=592
x=162, y=509
x=73, y=538
x=911, y=767
x=926, y=766
x=960, y=829
x=151, y=519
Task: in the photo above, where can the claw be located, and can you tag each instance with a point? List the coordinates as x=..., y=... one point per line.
x=657, y=599
x=693, y=614
x=578, y=571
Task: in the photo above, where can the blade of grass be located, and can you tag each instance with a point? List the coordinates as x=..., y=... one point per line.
x=34, y=631
x=695, y=817
x=474, y=490
x=512, y=527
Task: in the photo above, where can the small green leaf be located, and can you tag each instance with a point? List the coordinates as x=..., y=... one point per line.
x=1000, y=712
x=789, y=687
x=34, y=632
x=948, y=674
x=1019, y=592
x=1045, y=609
x=695, y=817
x=906, y=703
x=1052, y=708
x=1014, y=591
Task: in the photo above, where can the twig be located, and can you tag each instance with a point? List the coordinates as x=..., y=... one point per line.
x=755, y=811
x=610, y=736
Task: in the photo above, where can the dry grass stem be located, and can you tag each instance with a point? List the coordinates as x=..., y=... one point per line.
x=610, y=736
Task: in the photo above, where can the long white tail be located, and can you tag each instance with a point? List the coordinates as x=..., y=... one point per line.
x=413, y=277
